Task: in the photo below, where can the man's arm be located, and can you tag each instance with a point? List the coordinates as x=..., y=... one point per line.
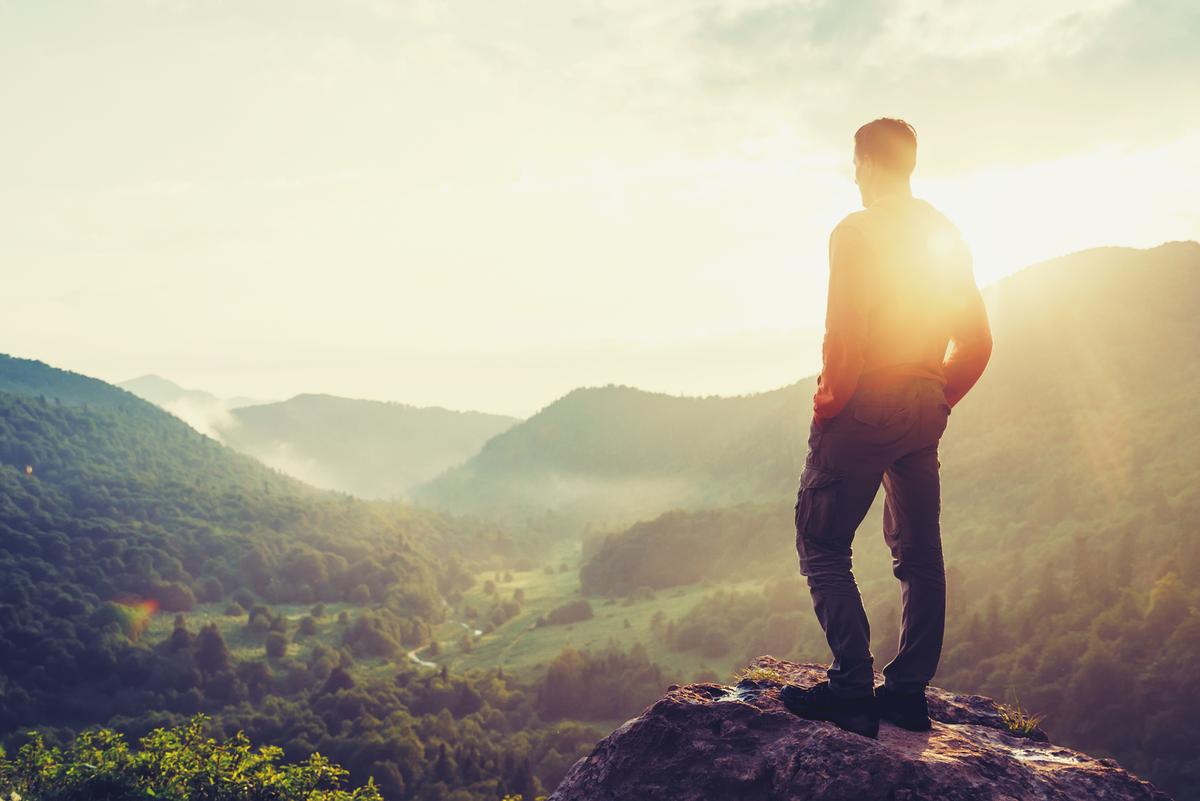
x=970, y=343
x=846, y=315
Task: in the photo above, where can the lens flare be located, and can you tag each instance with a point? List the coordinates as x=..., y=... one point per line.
x=133, y=615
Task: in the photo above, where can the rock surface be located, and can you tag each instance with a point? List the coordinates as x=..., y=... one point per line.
x=711, y=742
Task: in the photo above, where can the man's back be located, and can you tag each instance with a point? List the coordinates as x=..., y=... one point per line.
x=901, y=289
x=921, y=270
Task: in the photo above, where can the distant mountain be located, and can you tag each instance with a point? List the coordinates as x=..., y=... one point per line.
x=164, y=393
x=1089, y=349
x=367, y=448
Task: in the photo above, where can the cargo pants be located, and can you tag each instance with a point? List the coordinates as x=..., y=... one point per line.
x=886, y=433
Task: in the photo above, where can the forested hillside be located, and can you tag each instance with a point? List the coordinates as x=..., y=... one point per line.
x=611, y=455
x=104, y=499
x=684, y=547
x=33, y=378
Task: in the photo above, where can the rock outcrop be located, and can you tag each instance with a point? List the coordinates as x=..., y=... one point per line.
x=711, y=742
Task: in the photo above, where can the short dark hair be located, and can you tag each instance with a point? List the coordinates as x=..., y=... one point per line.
x=889, y=142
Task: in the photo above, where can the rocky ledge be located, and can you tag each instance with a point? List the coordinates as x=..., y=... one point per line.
x=712, y=742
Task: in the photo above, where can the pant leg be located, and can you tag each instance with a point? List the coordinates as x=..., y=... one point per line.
x=912, y=530
x=830, y=505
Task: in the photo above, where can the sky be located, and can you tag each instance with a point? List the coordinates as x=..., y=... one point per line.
x=483, y=205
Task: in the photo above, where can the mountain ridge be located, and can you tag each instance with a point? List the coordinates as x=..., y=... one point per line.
x=163, y=392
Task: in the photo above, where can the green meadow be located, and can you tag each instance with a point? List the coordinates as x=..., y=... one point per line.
x=522, y=647
x=519, y=645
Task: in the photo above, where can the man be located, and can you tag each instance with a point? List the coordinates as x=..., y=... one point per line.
x=906, y=337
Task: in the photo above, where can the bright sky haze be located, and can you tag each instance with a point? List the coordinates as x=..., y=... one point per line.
x=483, y=205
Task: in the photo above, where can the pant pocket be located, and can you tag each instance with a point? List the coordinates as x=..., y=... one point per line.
x=816, y=504
x=882, y=416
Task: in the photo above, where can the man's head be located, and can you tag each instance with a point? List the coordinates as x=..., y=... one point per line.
x=885, y=152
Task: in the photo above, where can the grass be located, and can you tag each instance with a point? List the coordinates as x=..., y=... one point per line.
x=1017, y=719
x=524, y=649
x=756, y=673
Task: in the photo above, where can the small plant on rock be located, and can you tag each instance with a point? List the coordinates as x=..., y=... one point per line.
x=758, y=673
x=1017, y=719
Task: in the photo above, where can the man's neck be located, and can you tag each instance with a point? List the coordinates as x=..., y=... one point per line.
x=901, y=190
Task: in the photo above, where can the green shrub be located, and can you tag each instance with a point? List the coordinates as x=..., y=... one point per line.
x=177, y=763
x=276, y=646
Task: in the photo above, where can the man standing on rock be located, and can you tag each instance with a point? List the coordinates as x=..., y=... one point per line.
x=901, y=289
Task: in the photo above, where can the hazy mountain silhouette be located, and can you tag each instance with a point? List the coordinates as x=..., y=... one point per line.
x=368, y=448
x=165, y=393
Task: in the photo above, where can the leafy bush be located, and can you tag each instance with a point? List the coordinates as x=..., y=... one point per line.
x=276, y=645
x=179, y=764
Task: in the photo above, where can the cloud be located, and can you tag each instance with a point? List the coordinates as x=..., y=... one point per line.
x=1018, y=81
x=207, y=417
x=841, y=35
x=1021, y=30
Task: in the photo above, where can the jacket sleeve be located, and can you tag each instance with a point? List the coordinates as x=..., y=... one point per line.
x=846, y=316
x=970, y=341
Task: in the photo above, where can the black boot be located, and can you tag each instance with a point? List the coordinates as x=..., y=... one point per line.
x=906, y=710
x=858, y=715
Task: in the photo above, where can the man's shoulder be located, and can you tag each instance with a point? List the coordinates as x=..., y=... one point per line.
x=937, y=216
x=855, y=221
x=854, y=218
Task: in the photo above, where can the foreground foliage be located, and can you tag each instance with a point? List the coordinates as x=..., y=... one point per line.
x=175, y=763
